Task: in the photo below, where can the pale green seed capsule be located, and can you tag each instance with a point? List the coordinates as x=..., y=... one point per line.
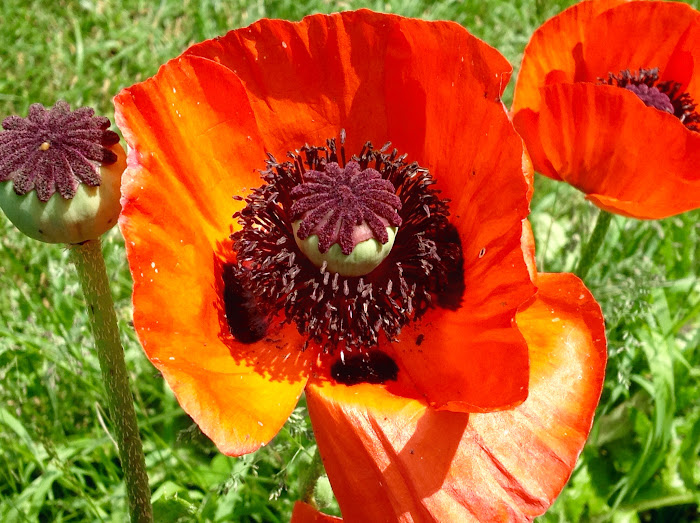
x=86, y=216
x=364, y=258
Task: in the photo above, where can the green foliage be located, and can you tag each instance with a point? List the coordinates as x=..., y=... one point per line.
x=58, y=461
x=641, y=462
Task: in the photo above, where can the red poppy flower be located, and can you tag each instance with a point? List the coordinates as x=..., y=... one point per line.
x=606, y=100
x=396, y=363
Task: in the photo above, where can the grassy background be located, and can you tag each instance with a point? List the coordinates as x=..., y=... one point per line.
x=57, y=459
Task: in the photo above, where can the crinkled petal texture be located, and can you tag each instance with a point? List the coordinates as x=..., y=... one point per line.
x=200, y=128
x=394, y=459
x=628, y=158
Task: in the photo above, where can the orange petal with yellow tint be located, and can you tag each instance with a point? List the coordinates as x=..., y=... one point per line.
x=527, y=239
x=187, y=159
x=607, y=143
x=305, y=513
x=529, y=173
x=528, y=242
x=554, y=50
x=391, y=458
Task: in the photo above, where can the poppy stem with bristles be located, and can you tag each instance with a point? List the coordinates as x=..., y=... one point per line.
x=309, y=480
x=90, y=265
x=590, y=250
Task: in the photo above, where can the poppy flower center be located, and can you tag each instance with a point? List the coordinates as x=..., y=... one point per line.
x=665, y=96
x=55, y=150
x=319, y=193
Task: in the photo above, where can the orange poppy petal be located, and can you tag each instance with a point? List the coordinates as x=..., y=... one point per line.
x=389, y=458
x=305, y=513
x=462, y=361
x=606, y=142
x=634, y=36
x=526, y=121
x=528, y=242
x=476, y=157
x=480, y=173
x=554, y=50
x=684, y=63
x=307, y=80
x=529, y=173
x=454, y=353
x=193, y=137
x=468, y=152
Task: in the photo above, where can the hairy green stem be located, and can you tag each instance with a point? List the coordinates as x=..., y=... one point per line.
x=590, y=250
x=309, y=480
x=90, y=264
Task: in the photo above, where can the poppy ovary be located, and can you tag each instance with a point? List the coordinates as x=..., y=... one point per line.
x=60, y=173
x=345, y=218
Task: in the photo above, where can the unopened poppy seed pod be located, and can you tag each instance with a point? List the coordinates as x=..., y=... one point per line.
x=60, y=172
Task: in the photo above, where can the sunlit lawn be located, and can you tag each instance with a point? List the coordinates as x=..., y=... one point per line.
x=57, y=459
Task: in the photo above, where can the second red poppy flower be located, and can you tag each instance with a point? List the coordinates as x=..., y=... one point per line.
x=606, y=100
